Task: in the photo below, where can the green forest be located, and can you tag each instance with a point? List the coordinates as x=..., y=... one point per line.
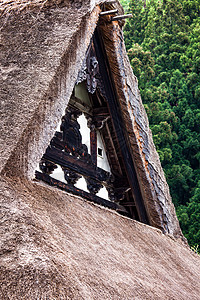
x=163, y=45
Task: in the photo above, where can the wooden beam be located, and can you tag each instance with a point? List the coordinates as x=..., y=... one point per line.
x=74, y=190
x=121, y=17
x=131, y=203
x=80, y=166
x=78, y=103
x=108, y=12
x=111, y=1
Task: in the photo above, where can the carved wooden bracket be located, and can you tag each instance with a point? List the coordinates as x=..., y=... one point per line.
x=47, y=166
x=70, y=176
x=88, y=72
x=99, y=118
x=93, y=185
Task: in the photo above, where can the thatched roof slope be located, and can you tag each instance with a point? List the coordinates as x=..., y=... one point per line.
x=41, y=52
x=14, y=6
x=153, y=185
x=56, y=246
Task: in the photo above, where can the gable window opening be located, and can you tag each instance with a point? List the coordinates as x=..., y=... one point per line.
x=84, y=157
x=100, y=152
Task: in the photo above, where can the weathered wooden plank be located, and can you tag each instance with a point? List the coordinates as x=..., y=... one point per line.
x=100, y=111
x=81, y=166
x=111, y=1
x=78, y=103
x=121, y=17
x=108, y=12
x=72, y=189
x=117, y=120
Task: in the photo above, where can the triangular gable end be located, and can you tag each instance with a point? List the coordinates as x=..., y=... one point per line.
x=94, y=97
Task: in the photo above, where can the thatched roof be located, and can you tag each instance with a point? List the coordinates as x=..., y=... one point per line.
x=10, y=6
x=41, y=54
x=56, y=246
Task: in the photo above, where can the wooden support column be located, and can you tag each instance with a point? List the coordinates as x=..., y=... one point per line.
x=93, y=144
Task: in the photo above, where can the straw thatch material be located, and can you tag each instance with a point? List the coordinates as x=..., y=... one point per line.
x=41, y=54
x=54, y=245
x=9, y=6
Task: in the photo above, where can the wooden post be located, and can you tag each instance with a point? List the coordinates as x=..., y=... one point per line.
x=93, y=144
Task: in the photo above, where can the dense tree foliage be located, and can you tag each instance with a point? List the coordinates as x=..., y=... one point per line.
x=163, y=44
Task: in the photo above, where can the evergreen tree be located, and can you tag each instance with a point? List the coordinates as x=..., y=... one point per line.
x=163, y=44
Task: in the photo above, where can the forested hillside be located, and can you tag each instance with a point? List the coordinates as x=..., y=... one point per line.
x=163, y=44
